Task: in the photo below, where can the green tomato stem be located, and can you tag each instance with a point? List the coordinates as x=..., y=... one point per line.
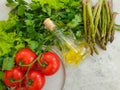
x=26, y=74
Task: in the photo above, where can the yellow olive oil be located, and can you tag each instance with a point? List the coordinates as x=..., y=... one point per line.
x=75, y=55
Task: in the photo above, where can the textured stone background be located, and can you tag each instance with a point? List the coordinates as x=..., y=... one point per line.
x=100, y=72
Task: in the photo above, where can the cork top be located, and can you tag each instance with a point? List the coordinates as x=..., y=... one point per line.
x=49, y=24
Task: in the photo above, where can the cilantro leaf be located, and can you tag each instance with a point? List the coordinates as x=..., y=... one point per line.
x=1, y=62
x=23, y=2
x=10, y=1
x=76, y=21
x=1, y=75
x=21, y=10
x=33, y=44
x=1, y=85
x=34, y=5
x=8, y=63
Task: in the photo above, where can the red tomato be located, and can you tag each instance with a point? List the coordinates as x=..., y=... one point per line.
x=24, y=57
x=50, y=63
x=35, y=80
x=20, y=88
x=13, y=75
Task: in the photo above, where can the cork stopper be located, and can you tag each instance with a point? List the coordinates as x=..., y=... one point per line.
x=49, y=24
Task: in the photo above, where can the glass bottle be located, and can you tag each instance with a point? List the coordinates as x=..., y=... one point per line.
x=74, y=52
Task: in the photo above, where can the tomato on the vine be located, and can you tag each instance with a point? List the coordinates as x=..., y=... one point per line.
x=13, y=76
x=49, y=63
x=20, y=88
x=24, y=57
x=35, y=80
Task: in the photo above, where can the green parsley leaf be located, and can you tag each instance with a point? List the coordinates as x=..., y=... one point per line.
x=76, y=21
x=21, y=10
x=33, y=44
x=23, y=2
x=8, y=63
x=1, y=85
x=10, y=1
x=1, y=75
x=1, y=62
x=34, y=5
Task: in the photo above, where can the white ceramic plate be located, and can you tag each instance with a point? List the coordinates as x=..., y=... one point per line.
x=54, y=82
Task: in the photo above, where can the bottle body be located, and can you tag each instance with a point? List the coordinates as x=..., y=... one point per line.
x=74, y=52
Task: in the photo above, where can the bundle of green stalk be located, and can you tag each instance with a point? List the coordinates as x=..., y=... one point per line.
x=99, y=23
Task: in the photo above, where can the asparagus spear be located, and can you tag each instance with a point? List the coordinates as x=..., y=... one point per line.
x=90, y=16
x=108, y=12
x=93, y=32
x=117, y=27
x=110, y=4
x=111, y=31
x=95, y=9
x=104, y=26
x=98, y=13
x=85, y=18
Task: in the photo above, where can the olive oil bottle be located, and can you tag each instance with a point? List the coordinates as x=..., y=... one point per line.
x=74, y=52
